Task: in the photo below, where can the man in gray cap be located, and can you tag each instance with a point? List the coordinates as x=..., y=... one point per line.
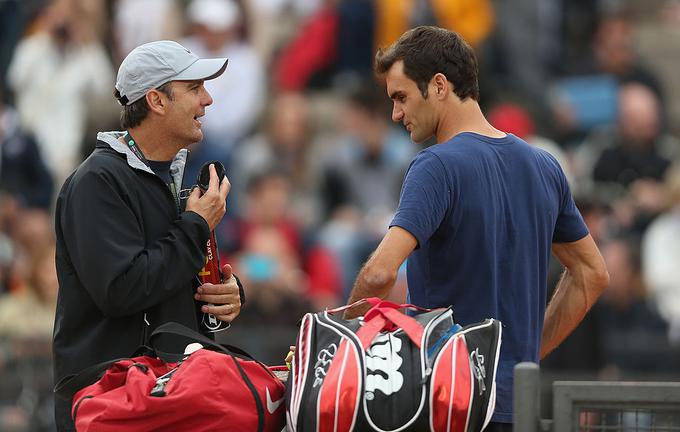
x=129, y=244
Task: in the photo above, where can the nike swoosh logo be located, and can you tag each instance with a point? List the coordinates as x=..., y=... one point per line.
x=272, y=405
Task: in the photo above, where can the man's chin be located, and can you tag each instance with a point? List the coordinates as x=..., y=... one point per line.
x=194, y=141
x=419, y=139
x=198, y=136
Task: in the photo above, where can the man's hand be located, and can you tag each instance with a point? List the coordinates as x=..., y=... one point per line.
x=224, y=297
x=212, y=204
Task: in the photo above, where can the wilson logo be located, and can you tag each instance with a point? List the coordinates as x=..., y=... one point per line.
x=383, y=361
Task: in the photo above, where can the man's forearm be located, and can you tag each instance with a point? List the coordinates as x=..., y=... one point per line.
x=566, y=310
x=378, y=275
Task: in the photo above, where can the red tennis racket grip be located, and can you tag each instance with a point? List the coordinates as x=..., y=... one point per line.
x=210, y=273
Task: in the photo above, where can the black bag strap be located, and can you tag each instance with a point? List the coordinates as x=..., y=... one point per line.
x=259, y=406
x=70, y=384
x=178, y=329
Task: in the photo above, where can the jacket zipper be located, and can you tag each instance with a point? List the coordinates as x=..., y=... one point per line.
x=175, y=199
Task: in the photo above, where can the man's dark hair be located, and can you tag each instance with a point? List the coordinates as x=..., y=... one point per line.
x=427, y=50
x=132, y=115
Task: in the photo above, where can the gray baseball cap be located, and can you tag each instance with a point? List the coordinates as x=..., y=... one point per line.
x=155, y=63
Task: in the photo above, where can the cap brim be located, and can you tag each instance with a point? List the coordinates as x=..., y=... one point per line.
x=203, y=69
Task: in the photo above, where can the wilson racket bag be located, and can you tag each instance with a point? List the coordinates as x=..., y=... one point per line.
x=388, y=371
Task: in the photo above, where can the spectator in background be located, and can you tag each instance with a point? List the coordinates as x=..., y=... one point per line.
x=365, y=169
x=472, y=19
x=355, y=40
x=26, y=322
x=28, y=233
x=29, y=313
x=287, y=143
x=308, y=58
x=239, y=96
x=136, y=22
x=361, y=178
x=587, y=97
x=287, y=272
x=524, y=45
x=614, y=53
x=14, y=15
x=632, y=331
x=629, y=161
x=33, y=231
x=23, y=174
x=335, y=45
x=273, y=21
x=56, y=75
x=636, y=149
x=661, y=257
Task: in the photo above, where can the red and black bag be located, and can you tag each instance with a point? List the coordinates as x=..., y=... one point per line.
x=388, y=371
x=205, y=391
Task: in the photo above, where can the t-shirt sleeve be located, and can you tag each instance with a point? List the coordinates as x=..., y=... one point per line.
x=569, y=226
x=425, y=197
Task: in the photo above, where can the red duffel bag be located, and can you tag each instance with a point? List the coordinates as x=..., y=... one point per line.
x=205, y=391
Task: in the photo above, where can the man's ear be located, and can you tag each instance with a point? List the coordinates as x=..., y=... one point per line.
x=442, y=86
x=157, y=101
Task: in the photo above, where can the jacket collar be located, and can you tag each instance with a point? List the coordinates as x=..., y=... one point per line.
x=176, y=167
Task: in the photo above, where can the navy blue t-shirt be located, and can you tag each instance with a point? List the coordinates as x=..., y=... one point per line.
x=485, y=212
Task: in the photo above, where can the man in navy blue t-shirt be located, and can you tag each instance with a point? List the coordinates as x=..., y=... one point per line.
x=479, y=213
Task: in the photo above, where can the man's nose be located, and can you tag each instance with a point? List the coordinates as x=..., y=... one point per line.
x=397, y=114
x=207, y=100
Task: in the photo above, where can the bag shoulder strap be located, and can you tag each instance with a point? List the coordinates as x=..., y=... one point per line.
x=68, y=386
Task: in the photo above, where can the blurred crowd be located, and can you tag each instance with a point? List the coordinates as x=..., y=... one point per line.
x=316, y=164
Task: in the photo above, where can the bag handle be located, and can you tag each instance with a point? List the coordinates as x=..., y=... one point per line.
x=375, y=300
x=385, y=315
x=178, y=329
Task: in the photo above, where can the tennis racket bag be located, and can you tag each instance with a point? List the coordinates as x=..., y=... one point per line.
x=388, y=371
x=217, y=389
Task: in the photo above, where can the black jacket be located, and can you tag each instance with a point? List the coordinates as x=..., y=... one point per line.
x=127, y=258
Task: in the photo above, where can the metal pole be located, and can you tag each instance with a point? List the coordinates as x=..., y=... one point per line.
x=526, y=398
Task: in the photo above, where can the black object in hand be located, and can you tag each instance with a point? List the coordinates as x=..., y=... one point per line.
x=203, y=179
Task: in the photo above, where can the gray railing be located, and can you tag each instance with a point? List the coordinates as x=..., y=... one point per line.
x=594, y=406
